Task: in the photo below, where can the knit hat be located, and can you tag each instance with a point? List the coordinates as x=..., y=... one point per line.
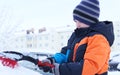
x=87, y=12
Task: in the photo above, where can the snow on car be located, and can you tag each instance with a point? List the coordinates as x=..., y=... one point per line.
x=114, y=62
x=22, y=70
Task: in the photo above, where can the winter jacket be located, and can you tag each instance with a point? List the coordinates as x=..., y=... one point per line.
x=87, y=51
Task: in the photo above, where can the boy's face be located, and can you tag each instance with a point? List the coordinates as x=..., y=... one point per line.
x=80, y=24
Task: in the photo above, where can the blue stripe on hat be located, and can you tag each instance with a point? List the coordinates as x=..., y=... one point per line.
x=93, y=1
x=87, y=11
x=83, y=20
x=90, y=5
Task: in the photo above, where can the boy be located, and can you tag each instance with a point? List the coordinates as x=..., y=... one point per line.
x=88, y=49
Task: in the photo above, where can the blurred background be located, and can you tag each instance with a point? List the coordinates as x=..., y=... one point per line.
x=37, y=25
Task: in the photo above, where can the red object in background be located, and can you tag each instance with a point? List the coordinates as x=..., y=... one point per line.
x=8, y=62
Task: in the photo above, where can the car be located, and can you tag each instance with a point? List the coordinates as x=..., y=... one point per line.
x=114, y=62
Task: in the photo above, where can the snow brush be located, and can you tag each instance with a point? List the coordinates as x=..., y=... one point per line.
x=11, y=59
x=8, y=62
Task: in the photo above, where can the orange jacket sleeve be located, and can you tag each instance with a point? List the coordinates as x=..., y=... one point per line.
x=96, y=56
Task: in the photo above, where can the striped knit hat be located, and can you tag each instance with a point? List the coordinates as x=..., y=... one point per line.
x=87, y=12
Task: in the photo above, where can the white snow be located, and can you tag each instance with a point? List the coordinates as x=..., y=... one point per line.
x=115, y=56
x=114, y=73
x=19, y=70
x=16, y=71
x=23, y=71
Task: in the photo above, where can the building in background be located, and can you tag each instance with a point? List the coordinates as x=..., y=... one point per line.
x=42, y=39
x=51, y=39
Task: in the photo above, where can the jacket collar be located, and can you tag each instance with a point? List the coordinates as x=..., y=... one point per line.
x=81, y=31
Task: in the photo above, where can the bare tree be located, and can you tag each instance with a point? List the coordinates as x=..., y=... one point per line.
x=8, y=26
